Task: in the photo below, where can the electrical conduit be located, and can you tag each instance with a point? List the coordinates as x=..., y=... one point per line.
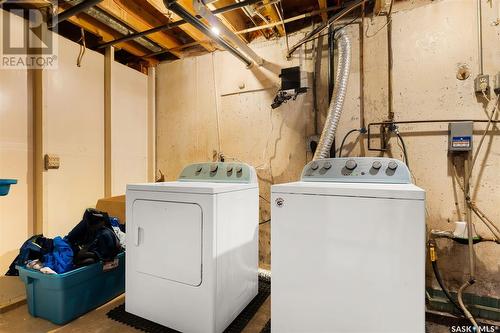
x=339, y=93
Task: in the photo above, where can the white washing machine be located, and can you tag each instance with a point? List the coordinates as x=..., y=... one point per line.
x=348, y=249
x=192, y=253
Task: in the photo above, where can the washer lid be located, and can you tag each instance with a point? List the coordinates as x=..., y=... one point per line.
x=371, y=190
x=190, y=187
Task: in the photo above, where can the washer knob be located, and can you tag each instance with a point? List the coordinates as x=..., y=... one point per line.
x=229, y=169
x=327, y=165
x=239, y=169
x=351, y=164
x=392, y=165
x=199, y=168
x=214, y=167
x=376, y=165
x=314, y=165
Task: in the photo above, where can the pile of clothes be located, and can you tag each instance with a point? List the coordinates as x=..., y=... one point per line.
x=96, y=238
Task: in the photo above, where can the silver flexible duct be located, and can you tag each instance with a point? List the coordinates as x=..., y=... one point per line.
x=338, y=96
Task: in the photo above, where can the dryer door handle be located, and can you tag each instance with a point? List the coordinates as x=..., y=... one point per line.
x=137, y=235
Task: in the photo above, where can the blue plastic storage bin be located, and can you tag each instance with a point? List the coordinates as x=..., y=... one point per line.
x=63, y=297
x=5, y=185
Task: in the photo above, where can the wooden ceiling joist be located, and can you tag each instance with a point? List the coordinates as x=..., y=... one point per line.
x=194, y=33
x=271, y=12
x=322, y=6
x=130, y=13
x=234, y=20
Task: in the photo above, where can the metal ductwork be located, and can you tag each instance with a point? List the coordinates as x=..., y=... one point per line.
x=76, y=9
x=185, y=15
x=102, y=17
x=172, y=25
x=200, y=7
x=338, y=97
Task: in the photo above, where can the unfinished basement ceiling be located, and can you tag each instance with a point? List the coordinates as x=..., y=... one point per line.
x=109, y=20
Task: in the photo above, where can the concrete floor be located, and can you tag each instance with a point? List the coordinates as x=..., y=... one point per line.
x=14, y=316
x=19, y=320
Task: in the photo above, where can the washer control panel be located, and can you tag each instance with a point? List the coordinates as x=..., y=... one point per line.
x=357, y=170
x=219, y=172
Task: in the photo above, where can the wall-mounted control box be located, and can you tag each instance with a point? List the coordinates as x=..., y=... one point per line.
x=460, y=136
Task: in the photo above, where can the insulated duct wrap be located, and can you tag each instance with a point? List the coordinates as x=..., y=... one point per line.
x=338, y=96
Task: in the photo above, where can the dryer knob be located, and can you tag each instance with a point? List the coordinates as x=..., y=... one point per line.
x=199, y=168
x=351, y=164
x=214, y=167
x=314, y=165
x=327, y=165
x=376, y=165
x=392, y=165
x=239, y=169
x=229, y=169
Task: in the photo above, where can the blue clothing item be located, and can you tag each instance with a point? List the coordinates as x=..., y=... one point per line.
x=61, y=259
x=115, y=222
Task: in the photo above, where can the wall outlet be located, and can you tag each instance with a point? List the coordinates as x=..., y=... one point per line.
x=482, y=83
x=51, y=161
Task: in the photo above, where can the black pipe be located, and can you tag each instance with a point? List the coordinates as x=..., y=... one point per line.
x=321, y=27
x=435, y=268
x=172, y=25
x=76, y=9
x=183, y=13
x=389, y=123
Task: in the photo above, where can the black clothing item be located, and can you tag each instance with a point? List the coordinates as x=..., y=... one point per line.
x=34, y=248
x=93, y=239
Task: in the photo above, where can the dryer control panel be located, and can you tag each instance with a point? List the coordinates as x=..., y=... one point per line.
x=219, y=172
x=357, y=170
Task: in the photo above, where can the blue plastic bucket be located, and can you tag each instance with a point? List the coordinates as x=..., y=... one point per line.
x=63, y=297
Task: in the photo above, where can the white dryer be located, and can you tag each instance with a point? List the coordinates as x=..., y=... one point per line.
x=192, y=247
x=348, y=249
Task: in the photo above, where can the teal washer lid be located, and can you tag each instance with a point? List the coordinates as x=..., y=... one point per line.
x=5, y=185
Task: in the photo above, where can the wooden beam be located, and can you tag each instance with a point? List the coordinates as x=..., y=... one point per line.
x=109, y=59
x=107, y=34
x=36, y=79
x=235, y=20
x=194, y=33
x=322, y=5
x=272, y=14
x=131, y=14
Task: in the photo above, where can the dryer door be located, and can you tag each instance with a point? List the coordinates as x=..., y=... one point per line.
x=168, y=238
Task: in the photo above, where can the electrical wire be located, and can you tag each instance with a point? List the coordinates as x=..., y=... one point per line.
x=335, y=30
x=345, y=138
x=490, y=119
x=324, y=26
x=389, y=20
x=264, y=222
x=83, y=47
x=404, y=149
